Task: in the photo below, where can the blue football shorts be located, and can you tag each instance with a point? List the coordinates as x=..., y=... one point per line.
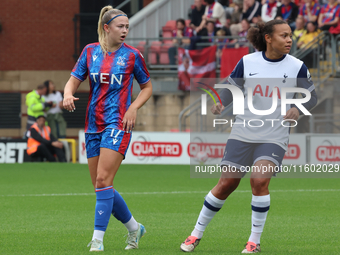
x=242, y=155
x=114, y=139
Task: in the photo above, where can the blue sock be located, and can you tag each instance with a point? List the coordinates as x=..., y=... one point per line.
x=120, y=210
x=104, y=204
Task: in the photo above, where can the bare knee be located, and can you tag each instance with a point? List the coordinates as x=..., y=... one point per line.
x=225, y=187
x=259, y=186
x=102, y=181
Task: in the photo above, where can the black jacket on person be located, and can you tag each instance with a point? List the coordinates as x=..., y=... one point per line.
x=196, y=16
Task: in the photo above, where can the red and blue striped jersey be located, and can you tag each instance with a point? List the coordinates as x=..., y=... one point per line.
x=111, y=80
x=314, y=9
x=329, y=13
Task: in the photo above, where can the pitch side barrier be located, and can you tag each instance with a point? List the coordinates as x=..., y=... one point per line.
x=186, y=148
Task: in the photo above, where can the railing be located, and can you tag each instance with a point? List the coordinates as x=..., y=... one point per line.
x=320, y=52
x=336, y=56
x=324, y=123
x=149, y=21
x=147, y=48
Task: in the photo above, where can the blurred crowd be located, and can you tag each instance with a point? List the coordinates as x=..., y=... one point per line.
x=209, y=18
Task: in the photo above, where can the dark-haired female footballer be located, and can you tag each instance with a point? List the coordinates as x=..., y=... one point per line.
x=266, y=72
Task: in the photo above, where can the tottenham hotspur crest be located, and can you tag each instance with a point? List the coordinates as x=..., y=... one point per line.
x=121, y=61
x=285, y=76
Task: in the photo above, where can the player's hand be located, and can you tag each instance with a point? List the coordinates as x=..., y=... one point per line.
x=68, y=102
x=217, y=109
x=129, y=119
x=57, y=144
x=292, y=114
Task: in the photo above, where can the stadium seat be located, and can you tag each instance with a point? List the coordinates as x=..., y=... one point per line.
x=141, y=46
x=154, y=51
x=164, y=55
x=167, y=34
x=170, y=24
x=168, y=29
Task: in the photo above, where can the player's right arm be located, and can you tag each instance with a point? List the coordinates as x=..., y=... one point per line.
x=70, y=88
x=236, y=78
x=78, y=75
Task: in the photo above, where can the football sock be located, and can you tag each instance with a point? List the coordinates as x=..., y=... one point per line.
x=103, y=210
x=260, y=206
x=210, y=207
x=98, y=234
x=122, y=213
x=131, y=225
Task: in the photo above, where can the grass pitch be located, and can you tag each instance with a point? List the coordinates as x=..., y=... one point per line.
x=48, y=208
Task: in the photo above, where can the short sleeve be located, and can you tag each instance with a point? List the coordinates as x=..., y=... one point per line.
x=79, y=70
x=140, y=71
x=237, y=75
x=337, y=13
x=206, y=10
x=304, y=79
x=218, y=11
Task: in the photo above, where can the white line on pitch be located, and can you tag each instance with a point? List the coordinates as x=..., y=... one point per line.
x=163, y=193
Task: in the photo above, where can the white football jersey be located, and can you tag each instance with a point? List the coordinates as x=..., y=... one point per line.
x=263, y=75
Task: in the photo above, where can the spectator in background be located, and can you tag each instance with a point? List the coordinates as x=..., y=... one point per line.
x=41, y=143
x=215, y=12
x=310, y=35
x=236, y=17
x=288, y=11
x=269, y=10
x=329, y=15
x=196, y=14
x=300, y=28
x=181, y=36
x=55, y=117
x=36, y=104
x=251, y=10
x=221, y=44
x=242, y=41
x=211, y=30
x=310, y=11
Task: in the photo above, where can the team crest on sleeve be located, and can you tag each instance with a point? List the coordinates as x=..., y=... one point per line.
x=121, y=61
x=309, y=77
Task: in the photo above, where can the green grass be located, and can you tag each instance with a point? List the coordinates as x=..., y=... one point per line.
x=299, y=222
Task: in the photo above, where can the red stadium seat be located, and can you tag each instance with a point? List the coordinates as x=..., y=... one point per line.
x=167, y=35
x=171, y=24
x=141, y=46
x=164, y=55
x=154, y=51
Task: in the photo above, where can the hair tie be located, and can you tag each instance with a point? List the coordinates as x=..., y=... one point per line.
x=115, y=17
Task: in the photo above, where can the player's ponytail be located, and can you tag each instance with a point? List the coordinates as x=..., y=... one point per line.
x=105, y=15
x=256, y=34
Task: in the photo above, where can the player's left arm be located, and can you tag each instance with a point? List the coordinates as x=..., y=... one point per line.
x=131, y=114
x=304, y=80
x=143, y=78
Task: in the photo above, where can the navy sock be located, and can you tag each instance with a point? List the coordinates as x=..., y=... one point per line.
x=104, y=204
x=120, y=210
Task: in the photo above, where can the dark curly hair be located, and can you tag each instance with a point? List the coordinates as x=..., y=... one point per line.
x=256, y=34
